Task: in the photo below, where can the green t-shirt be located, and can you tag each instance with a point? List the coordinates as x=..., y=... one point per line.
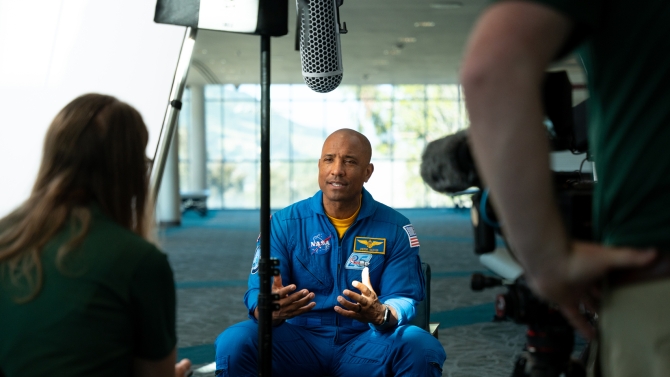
x=625, y=49
x=115, y=301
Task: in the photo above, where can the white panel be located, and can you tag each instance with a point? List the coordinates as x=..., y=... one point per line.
x=28, y=27
x=52, y=51
x=229, y=15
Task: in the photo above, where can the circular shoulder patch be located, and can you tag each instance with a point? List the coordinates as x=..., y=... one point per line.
x=257, y=260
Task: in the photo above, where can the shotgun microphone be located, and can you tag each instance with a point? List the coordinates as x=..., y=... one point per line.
x=320, y=51
x=447, y=165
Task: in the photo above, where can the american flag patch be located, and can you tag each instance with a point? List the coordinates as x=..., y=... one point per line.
x=413, y=239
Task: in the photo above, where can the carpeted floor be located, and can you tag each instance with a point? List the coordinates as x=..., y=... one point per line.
x=211, y=257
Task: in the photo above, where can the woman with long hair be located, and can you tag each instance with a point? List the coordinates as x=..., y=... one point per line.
x=83, y=289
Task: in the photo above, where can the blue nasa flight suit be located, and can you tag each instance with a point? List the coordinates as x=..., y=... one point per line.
x=322, y=342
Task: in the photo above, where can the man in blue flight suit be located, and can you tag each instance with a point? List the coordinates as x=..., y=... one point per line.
x=330, y=247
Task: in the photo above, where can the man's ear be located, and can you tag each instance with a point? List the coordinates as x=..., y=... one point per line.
x=368, y=171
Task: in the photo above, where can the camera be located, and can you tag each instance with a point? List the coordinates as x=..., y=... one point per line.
x=447, y=166
x=550, y=338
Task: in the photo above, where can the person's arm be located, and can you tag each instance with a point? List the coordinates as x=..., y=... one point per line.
x=366, y=306
x=505, y=61
x=400, y=284
x=161, y=368
x=253, y=282
x=153, y=305
x=291, y=303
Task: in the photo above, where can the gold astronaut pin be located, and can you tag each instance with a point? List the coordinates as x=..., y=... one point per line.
x=370, y=245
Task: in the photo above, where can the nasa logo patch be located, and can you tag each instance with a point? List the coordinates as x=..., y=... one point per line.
x=320, y=244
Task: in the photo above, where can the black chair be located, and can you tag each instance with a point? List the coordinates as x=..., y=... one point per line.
x=422, y=318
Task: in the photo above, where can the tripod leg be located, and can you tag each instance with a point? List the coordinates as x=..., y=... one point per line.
x=520, y=366
x=172, y=112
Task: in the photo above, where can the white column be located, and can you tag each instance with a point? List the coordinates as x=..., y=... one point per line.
x=197, y=140
x=169, y=200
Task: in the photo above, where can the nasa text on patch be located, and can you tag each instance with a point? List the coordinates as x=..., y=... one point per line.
x=320, y=244
x=370, y=245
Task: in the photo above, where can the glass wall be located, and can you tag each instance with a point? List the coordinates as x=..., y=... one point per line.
x=398, y=120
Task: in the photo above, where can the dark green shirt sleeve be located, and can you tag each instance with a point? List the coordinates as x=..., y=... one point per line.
x=585, y=16
x=152, y=295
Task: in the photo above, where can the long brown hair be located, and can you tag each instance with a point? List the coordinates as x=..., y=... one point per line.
x=94, y=153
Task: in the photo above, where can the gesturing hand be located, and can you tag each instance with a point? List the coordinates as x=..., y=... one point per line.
x=366, y=306
x=290, y=305
x=182, y=368
x=571, y=280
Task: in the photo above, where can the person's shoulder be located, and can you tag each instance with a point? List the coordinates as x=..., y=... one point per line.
x=384, y=213
x=106, y=234
x=113, y=255
x=298, y=210
x=380, y=212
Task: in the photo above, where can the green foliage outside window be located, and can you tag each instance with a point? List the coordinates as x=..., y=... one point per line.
x=399, y=121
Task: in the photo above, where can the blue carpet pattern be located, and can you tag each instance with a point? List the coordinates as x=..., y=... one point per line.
x=211, y=257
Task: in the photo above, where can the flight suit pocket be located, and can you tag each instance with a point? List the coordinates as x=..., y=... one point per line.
x=360, y=352
x=312, y=272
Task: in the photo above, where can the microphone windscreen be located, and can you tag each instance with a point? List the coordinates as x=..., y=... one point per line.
x=443, y=166
x=320, y=52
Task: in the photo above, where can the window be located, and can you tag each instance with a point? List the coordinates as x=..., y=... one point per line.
x=398, y=120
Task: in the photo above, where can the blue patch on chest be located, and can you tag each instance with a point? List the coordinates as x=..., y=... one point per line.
x=358, y=261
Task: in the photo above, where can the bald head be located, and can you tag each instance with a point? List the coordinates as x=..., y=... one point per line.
x=352, y=138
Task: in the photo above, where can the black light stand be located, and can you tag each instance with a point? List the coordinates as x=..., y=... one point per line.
x=267, y=266
x=271, y=20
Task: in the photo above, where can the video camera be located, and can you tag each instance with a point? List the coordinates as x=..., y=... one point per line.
x=447, y=166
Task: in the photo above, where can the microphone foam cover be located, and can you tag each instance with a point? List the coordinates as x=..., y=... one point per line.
x=320, y=56
x=323, y=84
x=440, y=165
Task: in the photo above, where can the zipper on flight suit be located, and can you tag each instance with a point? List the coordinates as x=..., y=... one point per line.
x=339, y=262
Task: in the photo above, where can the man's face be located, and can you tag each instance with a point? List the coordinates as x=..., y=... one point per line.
x=343, y=168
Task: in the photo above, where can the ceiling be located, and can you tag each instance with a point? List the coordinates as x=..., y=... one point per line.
x=385, y=45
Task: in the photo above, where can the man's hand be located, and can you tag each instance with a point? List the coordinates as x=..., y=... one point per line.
x=366, y=306
x=574, y=279
x=162, y=367
x=182, y=368
x=290, y=305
